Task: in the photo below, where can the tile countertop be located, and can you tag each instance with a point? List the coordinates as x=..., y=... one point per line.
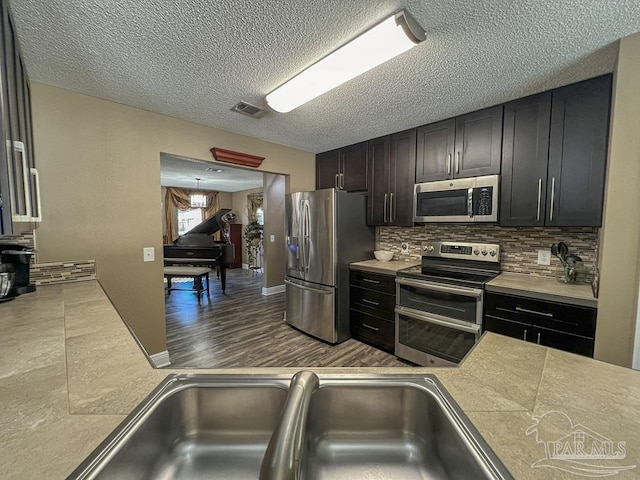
x=70, y=372
x=543, y=288
x=375, y=266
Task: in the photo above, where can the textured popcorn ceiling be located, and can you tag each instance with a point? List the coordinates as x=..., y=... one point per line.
x=194, y=59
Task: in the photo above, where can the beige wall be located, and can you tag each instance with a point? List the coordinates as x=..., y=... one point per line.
x=274, y=252
x=100, y=179
x=226, y=200
x=620, y=234
x=239, y=202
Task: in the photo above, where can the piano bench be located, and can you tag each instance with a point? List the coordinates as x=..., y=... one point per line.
x=196, y=272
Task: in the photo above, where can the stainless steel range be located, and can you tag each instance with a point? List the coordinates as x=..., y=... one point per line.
x=440, y=302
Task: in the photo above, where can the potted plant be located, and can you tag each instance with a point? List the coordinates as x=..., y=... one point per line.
x=253, y=239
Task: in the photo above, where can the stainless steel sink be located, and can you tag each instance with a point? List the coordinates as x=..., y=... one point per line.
x=193, y=427
x=392, y=428
x=355, y=427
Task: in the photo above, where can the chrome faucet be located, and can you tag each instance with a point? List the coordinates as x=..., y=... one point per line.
x=282, y=459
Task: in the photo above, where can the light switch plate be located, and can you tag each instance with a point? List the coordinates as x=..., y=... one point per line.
x=272, y=238
x=148, y=254
x=544, y=257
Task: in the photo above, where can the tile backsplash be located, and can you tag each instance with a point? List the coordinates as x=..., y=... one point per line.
x=518, y=245
x=53, y=272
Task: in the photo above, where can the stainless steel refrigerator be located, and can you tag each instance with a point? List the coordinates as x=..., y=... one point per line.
x=325, y=231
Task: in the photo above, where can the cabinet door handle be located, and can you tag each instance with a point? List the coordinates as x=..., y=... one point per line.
x=392, y=213
x=370, y=327
x=36, y=178
x=342, y=181
x=538, y=338
x=457, y=162
x=386, y=198
x=335, y=182
x=525, y=335
x=539, y=198
x=370, y=302
x=370, y=281
x=449, y=165
x=553, y=197
x=534, y=312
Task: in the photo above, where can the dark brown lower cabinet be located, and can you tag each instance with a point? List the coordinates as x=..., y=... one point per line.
x=556, y=325
x=372, y=300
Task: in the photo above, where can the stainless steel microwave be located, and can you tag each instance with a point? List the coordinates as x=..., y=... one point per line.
x=459, y=200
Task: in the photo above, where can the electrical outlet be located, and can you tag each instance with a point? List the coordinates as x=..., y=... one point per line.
x=544, y=257
x=404, y=247
x=148, y=254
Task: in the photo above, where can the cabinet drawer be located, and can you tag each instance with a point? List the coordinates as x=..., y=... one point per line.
x=374, y=281
x=373, y=302
x=373, y=330
x=554, y=316
x=542, y=336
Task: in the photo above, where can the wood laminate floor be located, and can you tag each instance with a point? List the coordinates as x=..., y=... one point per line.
x=246, y=329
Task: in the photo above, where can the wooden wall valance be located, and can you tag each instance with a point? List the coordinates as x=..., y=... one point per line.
x=229, y=156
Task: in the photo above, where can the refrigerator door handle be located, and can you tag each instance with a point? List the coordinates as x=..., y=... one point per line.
x=305, y=232
x=309, y=289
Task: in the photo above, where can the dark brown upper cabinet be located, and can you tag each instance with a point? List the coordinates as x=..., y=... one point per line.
x=391, y=169
x=525, y=153
x=554, y=156
x=19, y=186
x=578, y=153
x=344, y=168
x=465, y=146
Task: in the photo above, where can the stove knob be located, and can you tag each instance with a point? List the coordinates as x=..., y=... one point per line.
x=484, y=252
x=492, y=253
x=429, y=248
x=476, y=252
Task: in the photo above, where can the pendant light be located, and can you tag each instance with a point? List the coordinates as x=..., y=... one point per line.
x=198, y=200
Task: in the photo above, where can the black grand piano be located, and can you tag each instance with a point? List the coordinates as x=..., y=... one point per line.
x=197, y=247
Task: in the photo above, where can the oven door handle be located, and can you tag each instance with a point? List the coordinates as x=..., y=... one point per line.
x=472, y=328
x=437, y=287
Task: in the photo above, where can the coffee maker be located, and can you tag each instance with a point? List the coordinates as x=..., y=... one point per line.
x=20, y=257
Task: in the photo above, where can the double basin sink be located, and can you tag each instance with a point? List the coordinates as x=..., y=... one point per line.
x=282, y=428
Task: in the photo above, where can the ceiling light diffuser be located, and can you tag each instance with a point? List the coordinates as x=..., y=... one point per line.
x=387, y=39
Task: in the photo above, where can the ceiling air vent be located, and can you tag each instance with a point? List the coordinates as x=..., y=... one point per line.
x=248, y=109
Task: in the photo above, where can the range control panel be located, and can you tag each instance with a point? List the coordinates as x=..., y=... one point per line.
x=488, y=252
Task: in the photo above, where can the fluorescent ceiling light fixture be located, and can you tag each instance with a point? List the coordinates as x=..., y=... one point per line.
x=387, y=39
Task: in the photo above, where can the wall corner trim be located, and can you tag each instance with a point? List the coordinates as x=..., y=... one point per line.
x=266, y=291
x=160, y=359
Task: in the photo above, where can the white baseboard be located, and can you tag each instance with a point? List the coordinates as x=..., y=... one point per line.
x=266, y=291
x=160, y=359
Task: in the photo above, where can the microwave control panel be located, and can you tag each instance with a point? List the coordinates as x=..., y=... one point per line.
x=483, y=201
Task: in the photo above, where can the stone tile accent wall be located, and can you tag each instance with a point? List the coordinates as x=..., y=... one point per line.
x=26, y=239
x=54, y=272
x=518, y=245
x=62, y=272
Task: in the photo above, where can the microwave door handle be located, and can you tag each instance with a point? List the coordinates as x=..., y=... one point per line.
x=470, y=202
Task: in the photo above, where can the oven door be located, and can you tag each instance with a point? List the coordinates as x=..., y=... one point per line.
x=430, y=341
x=441, y=300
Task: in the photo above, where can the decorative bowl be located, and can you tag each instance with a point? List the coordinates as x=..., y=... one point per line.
x=383, y=255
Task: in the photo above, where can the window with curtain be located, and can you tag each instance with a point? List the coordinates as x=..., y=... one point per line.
x=254, y=208
x=179, y=200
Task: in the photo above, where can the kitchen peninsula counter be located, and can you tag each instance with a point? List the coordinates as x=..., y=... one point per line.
x=71, y=371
